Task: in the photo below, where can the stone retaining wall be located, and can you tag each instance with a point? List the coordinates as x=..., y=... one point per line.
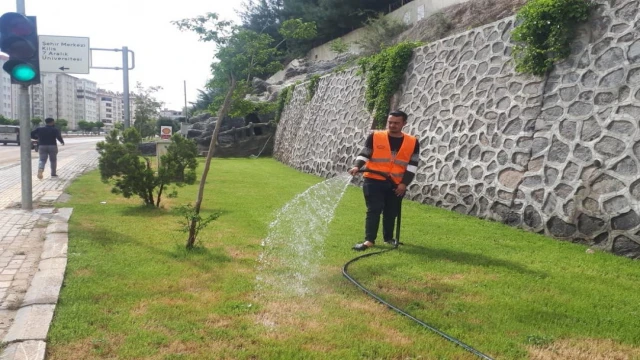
x=556, y=155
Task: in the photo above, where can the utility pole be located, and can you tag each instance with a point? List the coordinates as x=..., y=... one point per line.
x=25, y=136
x=185, y=101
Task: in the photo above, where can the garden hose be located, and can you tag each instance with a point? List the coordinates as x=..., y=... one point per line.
x=395, y=308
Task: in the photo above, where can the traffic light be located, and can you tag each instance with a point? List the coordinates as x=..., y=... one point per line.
x=19, y=40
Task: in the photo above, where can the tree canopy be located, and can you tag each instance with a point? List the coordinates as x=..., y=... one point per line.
x=333, y=18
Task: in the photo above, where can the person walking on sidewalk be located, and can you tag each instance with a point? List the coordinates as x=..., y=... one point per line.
x=48, y=148
x=397, y=154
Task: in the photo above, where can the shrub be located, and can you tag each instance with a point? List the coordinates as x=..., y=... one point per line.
x=379, y=33
x=338, y=46
x=122, y=165
x=545, y=33
x=384, y=73
x=312, y=86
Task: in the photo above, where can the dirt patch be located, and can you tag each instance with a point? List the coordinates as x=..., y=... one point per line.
x=459, y=18
x=83, y=273
x=301, y=314
x=88, y=348
x=587, y=349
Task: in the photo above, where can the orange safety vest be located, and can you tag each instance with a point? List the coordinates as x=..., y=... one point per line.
x=382, y=160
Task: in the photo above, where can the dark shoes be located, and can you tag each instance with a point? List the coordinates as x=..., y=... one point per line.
x=361, y=247
x=393, y=242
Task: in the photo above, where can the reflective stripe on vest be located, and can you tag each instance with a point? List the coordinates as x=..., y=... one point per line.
x=383, y=160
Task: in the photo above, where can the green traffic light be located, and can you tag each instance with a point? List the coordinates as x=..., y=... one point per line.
x=23, y=72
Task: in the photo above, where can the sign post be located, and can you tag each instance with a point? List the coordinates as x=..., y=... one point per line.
x=125, y=78
x=165, y=132
x=64, y=54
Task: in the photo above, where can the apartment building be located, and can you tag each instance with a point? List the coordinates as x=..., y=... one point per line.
x=111, y=108
x=6, y=94
x=87, y=101
x=62, y=96
x=171, y=114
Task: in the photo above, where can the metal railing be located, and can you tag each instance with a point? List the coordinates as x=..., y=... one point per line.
x=397, y=5
x=247, y=131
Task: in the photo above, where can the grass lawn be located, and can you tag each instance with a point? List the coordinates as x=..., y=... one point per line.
x=132, y=291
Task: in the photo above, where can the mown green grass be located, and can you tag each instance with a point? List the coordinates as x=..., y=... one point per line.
x=132, y=291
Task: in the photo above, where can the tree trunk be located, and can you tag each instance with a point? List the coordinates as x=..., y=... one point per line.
x=159, y=195
x=212, y=148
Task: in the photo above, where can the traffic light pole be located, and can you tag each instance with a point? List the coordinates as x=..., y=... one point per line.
x=25, y=148
x=25, y=136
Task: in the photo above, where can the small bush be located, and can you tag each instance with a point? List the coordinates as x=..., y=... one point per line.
x=379, y=33
x=312, y=86
x=384, y=73
x=338, y=46
x=545, y=32
x=122, y=164
x=282, y=102
x=189, y=215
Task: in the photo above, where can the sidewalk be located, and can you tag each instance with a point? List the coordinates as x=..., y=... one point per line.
x=33, y=252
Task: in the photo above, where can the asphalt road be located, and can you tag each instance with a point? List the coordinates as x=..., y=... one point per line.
x=10, y=154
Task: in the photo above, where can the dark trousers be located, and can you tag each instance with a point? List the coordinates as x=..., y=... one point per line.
x=50, y=152
x=380, y=198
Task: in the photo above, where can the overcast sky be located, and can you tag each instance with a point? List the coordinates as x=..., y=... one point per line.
x=165, y=56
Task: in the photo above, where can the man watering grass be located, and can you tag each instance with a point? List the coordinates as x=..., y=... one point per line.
x=395, y=154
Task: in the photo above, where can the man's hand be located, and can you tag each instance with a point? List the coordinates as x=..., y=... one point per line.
x=353, y=171
x=401, y=189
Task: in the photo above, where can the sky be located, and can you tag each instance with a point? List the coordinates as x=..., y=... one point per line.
x=165, y=56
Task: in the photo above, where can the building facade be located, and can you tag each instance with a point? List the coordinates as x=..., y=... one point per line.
x=6, y=94
x=86, y=101
x=111, y=108
x=171, y=114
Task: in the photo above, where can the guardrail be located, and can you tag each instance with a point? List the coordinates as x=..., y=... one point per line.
x=397, y=5
x=247, y=131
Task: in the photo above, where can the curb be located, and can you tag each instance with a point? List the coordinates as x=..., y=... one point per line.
x=26, y=338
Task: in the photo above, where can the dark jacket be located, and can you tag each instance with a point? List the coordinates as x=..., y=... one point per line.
x=47, y=135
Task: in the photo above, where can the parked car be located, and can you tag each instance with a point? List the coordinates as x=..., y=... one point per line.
x=9, y=134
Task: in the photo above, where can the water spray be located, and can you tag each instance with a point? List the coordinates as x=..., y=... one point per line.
x=390, y=306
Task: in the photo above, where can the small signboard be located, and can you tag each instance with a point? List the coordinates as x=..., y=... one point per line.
x=64, y=54
x=165, y=132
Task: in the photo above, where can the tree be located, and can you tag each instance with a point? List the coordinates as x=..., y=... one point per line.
x=333, y=18
x=294, y=33
x=85, y=126
x=5, y=121
x=98, y=125
x=122, y=164
x=203, y=101
x=241, y=54
x=63, y=125
x=147, y=109
x=35, y=122
x=119, y=126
